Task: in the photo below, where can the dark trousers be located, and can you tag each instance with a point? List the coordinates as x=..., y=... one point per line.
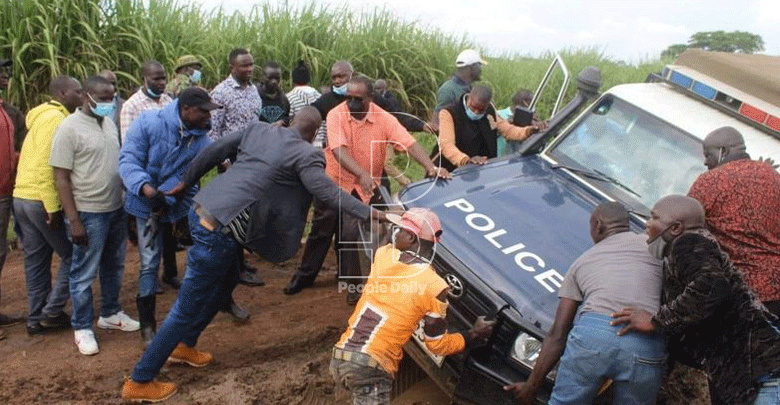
x=170, y=269
x=326, y=223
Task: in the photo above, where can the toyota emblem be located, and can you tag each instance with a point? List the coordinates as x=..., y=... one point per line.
x=456, y=286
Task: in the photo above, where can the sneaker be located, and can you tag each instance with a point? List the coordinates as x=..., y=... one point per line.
x=119, y=321
x=188, y=355
x=151, y=391
x=250, y=279
x=35, y=329
x=59, y=321
x=85, y=340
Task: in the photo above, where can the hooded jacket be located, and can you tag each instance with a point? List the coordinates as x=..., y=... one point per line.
x=34, y=176
x=157, y=150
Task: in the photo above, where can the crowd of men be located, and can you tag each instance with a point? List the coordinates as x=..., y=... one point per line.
x=86, y=170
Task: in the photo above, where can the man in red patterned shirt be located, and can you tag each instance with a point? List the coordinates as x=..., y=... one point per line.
x=741, y=198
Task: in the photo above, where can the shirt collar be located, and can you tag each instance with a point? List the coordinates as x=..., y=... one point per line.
x=234, y=84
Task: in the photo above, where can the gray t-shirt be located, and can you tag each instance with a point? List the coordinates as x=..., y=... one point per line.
x=616, y=273
x=91, y=152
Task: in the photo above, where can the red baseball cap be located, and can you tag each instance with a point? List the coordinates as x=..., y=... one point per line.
x=420, y=221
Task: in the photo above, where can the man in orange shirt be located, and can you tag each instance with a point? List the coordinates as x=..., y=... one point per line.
x=402, y=290
x=358, y=134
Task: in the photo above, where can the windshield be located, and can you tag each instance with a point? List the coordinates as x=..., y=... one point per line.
x=640, y=154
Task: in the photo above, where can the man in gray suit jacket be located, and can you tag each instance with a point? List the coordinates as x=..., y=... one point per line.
x=261, y=203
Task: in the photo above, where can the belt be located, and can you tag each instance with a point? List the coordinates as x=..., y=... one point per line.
x=358, y=358
x=207, y=220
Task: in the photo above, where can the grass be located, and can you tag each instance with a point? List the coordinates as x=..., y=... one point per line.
x=46, y=38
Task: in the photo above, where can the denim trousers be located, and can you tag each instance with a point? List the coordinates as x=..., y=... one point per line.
x=149, y=252
x=210, y=277
x=769, y=393
x=594, y=353
x=40, y=242
x=5, y=214
x=103, y=256
x=367, y=385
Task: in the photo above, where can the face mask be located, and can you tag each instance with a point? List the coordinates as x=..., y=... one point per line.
x=195, y=76
x=355, y=106
x=657, y=246
x=151, y=92
x=394, y=235
x=102, y=109
x=342, y=90
x=471, y=114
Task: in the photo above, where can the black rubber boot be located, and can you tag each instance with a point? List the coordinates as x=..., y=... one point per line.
x=146, y=306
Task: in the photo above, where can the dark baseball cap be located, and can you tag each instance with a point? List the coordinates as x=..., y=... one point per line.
x=196, y=96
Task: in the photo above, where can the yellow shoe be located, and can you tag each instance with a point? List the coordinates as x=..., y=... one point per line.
x=151, y=391
x=188, y=355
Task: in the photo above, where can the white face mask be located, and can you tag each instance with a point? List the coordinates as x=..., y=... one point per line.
x=656, y=247
x=394, y=234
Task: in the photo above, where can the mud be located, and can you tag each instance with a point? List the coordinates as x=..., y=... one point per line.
x=280, y=356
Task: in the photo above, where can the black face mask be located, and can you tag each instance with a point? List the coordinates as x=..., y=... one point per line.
x=355, y=106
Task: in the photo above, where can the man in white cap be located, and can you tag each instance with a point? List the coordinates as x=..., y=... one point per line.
x=469, y=65
x=402, y=290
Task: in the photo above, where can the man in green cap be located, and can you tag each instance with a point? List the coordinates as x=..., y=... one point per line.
x=187, y=75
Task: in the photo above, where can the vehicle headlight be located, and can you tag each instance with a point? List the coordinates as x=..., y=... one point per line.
x=526, y=351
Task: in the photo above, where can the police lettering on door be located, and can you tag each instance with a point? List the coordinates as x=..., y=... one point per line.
x=524, y=258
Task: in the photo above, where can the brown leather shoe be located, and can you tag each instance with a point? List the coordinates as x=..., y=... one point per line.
x=151, y=391
x=188, y=355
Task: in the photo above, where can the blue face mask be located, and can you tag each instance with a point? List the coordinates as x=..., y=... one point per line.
x=195, y=76
x=470, y=113
x=102, y=109
x=342, y=90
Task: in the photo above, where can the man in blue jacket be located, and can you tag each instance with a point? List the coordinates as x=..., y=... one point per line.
x=157, y=149
x=261, y=204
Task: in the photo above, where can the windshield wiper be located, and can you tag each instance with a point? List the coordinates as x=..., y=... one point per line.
x=617, y=183
x=597, y=175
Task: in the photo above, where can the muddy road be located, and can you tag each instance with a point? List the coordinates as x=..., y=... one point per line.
x=280, y=356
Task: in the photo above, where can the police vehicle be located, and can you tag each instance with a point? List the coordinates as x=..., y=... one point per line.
x=513, y=226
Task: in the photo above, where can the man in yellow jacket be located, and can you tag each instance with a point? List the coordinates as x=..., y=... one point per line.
x=401, y=293
x=38, y=211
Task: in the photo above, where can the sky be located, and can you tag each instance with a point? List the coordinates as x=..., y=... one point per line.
x=627, y=30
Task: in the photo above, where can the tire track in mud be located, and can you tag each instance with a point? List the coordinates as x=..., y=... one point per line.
x=294, y=372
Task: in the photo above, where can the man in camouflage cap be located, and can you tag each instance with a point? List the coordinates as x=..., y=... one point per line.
x=188, y=74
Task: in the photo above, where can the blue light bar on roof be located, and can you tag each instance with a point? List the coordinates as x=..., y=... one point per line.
x=704, y=90
x=680, y=79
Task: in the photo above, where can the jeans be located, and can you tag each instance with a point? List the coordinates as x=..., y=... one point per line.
x=594, y=352
x=103, y=256
x=367, y=385
x=769, y=393
x=5, y=215
x=149, y=253
x=207, y=283
x=40, y=242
